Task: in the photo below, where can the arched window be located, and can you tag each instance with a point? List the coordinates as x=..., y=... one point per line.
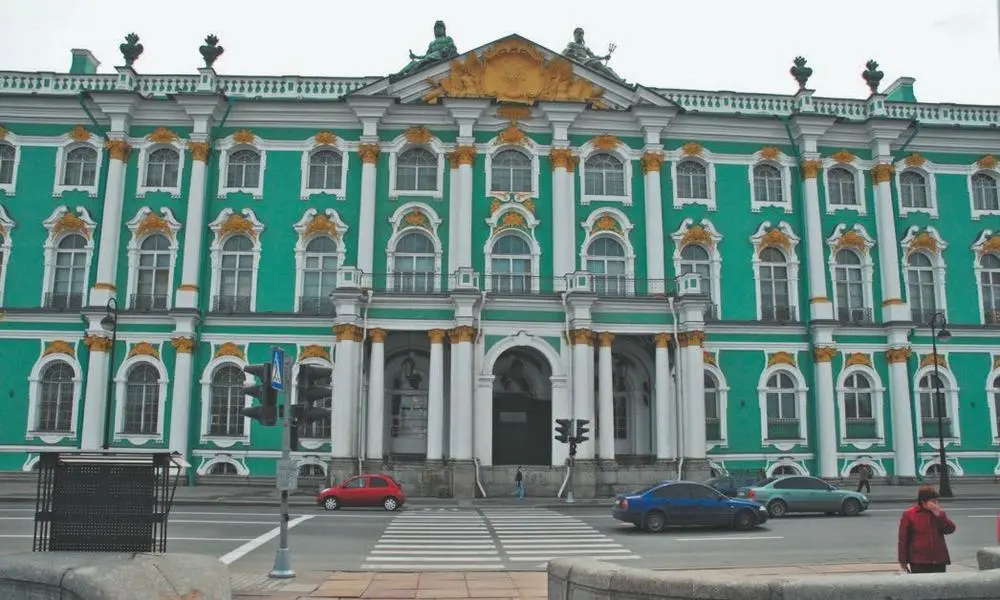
x=510, y=265
x=80, y=167
x=933, y=405
x=859, y=407
x=236, y=275
x=416, y=171
x=163, y=168
x=841, y=190
x=326, y=169
x=922, y=284
x=153, y=276
x=695, y=259
x=413, y=264
x=775, y=287
x=142, y=401
x=767, y=185
x=989, y=283
x=913, y=190
x=692, y=180
x=848, y=278
x=713, y=409
x=6, y=163
x=605, y=176
x=782, y=407
x=70, y=273
x=319, y=276
x=243, y=170
x=606, y=261
x=510, y=172
x=621, y=399
x=55, y=408
x=223, y=468
x=408, y=409
x=984, y=192
x=227, y=401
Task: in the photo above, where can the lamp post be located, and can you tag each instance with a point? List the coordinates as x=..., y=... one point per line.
x=939, y=331
x=110, y=322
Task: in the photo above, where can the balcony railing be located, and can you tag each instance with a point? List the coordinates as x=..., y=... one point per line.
x=713, y=430
x=861, y=429
x=711, y=313
x=316, y=306
x=148, y=302
x=929, y=427
x=63, y=301
x=856, y=316
x=778, y=314
x=922, y=316
x=991, y=316
x=231, y=304
x=783, y=429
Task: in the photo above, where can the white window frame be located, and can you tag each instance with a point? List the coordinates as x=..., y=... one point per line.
x=757, y=240
x=723, y=396
x=713, y=253
x=925, y=169
x=206, y=466
x=146, y=149
x=12, y=140
x=950, y=391
x=623, y=238
x=991, y=402
x=6, y=246
x=621, y=152
x=121, y=396
x=867, y=265
x=782, y=164
x=312, y=147
x=400, y=145
x=135, y=247
x=302, y=242
x=979, y=249
x=206, y=403
x=494, y=221
x=975, y=169
x=227, y=147
x=535, y=169
x=878, y=396
x=64, y=145
x=938, y=263
x=35, y=396
x=706, y=159
x=801, y=391
x=855, y=168
x=307, y=442
x=52, y=246
x=401, y=228
x=219, y=240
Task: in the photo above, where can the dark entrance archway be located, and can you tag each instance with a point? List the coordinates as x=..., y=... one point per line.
x=522, y=408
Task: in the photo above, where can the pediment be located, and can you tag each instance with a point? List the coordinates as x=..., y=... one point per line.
x=513, y=70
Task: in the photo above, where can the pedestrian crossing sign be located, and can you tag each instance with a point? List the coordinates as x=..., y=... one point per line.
x=277, y=358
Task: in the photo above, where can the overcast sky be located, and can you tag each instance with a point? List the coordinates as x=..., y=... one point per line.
x=950, y=47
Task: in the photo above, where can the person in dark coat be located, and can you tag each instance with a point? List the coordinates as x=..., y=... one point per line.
x=921, y=545
x=863, y=476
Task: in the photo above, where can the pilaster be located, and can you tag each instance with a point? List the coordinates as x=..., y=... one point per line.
x=665, y=411
x=344, y=418
x=690, y=343
x=369, y=110
x=901, y=409
x=606, y=399
x=561, y=116
x=435, y=396
x=824, y=351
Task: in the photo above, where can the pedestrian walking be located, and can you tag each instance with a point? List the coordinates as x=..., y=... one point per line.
x=863, y=475
x=921, y=545
x=519, y=484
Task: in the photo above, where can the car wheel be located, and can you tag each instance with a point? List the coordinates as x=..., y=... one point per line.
x=655, y=522
x=331, y=503
x=743, y=520
x=390, y=504
x=777, y=509
x=851, y=507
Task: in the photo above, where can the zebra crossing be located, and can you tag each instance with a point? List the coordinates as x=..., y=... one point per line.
x=435, y=541
x=540, y=535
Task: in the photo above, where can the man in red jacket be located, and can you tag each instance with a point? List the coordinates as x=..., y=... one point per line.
x=922, y=528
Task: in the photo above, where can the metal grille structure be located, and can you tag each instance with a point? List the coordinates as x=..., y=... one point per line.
x=103, y=502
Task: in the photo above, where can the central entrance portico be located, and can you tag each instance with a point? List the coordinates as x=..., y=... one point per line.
x=522, y=408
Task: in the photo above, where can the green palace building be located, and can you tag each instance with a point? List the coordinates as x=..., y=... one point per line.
x=486, y=241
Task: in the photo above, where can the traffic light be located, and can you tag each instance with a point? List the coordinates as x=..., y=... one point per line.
x=572, y=447
x=581, y=431
x=313, y=385
x=265, y=413
x=564, y=430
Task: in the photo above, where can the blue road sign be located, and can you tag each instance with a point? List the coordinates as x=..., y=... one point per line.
x=277, y=359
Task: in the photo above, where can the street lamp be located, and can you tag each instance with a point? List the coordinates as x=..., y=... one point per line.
x=939, y=331
x=110, y=322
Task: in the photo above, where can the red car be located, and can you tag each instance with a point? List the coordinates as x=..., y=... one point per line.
x=363, y=490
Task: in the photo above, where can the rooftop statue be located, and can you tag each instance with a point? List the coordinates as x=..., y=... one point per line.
x=578, y=51
x=442, y=48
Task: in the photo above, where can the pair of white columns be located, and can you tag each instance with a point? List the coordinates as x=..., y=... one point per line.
x=563, y=211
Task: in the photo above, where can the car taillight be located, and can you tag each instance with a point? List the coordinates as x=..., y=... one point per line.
x=751, y=494
x=625, y=504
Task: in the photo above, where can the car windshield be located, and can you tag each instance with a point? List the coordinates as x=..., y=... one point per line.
x=645, y=490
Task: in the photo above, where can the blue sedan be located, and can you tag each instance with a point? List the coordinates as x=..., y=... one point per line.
x=686, y=503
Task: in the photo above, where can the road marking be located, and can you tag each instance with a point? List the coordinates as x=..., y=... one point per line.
x=425, y=559
x=463, y=547
x=588, y=551
x=730, y=538
x=250, y=546
x=169, y=537
x=554, y=546
x=601, y=557
x=982, y=516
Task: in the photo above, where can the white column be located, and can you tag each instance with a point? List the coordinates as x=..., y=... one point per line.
x=483, y=415
x=454, y=213
x=562, y=213
x=466, y=156
x=376, y=395
x=344, y=419
x=655, y=270
x=461, y=392
x=820, y=305
x=435, y=397
x=180, y=403
x=366, y=220
x=888, y=245
x=826, y=413
x=902, y=415
x=583, y=385
x=111, y=223
x=606, y=398
x=693, y=363
x=194, y=227
x=666, y=446
x=92, y=431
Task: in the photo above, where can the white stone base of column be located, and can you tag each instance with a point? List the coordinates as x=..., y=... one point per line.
x=100, y=296
x=186, y=299
x=822, y=311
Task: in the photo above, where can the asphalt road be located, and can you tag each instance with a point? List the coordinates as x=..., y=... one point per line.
x=523, y=538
